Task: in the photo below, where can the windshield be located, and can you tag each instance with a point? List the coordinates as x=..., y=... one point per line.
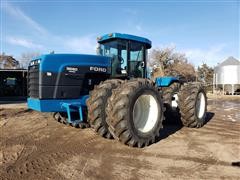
x=116, y=49
x=112, y=48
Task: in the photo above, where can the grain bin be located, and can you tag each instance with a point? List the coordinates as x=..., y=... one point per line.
x=227, y=76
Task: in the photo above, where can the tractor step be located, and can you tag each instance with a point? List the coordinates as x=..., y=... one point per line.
x=74, y=107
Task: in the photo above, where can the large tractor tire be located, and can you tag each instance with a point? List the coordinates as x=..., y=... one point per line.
x=192, y=105
x=97, y=104
x=170, y=98
x=135, y=113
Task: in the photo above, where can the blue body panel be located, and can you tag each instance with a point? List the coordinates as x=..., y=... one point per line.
x=53, y=105
x=165, y=81
x=125, y=36
x=57, y=62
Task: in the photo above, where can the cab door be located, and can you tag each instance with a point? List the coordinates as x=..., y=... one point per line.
x=136, y=60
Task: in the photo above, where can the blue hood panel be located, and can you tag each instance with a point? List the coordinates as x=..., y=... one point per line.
x=56, y=62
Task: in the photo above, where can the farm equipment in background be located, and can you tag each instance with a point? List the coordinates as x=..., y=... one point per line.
x=112, y=90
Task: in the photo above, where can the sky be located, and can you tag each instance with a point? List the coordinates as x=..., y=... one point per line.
x=207, y=31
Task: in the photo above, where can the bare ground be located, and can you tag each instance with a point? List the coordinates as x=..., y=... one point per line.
x=34, y=146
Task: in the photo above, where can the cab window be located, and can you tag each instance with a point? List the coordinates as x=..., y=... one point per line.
x=136, y=64
x=117, y=50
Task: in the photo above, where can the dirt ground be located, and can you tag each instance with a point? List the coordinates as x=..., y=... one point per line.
x=34, y=146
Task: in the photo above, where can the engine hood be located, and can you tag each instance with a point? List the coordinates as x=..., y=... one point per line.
x=57, y=62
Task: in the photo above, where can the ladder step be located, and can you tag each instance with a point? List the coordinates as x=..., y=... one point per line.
x=73, y=106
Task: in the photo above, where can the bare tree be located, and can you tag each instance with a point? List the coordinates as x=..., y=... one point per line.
x=27, y=57
x=8, y=62
x=205, y=75
x=166, y=62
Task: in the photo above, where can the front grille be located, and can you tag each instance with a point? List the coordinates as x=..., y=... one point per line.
x=33, y=81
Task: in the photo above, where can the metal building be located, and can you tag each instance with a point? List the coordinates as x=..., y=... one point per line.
x=13, y=83
x=227, y=76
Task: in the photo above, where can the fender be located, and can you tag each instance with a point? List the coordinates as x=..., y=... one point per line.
x=166, y=81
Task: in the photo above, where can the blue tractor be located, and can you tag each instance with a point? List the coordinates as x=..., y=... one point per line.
x=110, y=91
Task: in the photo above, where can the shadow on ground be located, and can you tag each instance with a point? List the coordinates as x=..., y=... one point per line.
x=172, y=125
x=13, y=100
x=209, y=116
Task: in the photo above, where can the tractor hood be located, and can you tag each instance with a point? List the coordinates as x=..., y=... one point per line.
x=66, y=76
x=57, y=62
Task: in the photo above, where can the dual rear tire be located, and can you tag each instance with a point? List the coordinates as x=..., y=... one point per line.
x=189, y=101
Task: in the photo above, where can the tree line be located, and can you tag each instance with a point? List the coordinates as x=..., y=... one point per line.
x=168, y=62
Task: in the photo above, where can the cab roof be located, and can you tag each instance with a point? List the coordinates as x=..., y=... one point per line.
x=110, y=36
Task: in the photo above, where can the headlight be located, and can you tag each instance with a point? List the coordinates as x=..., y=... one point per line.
x=35, y=62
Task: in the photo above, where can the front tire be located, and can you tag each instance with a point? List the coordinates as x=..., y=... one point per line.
x=192, y=105
x=135, y=113
x=97, y=104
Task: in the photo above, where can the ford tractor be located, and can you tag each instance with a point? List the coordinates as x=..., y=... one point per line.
x=111, y=91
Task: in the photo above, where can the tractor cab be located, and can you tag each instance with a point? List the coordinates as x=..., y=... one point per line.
x=128, y=54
